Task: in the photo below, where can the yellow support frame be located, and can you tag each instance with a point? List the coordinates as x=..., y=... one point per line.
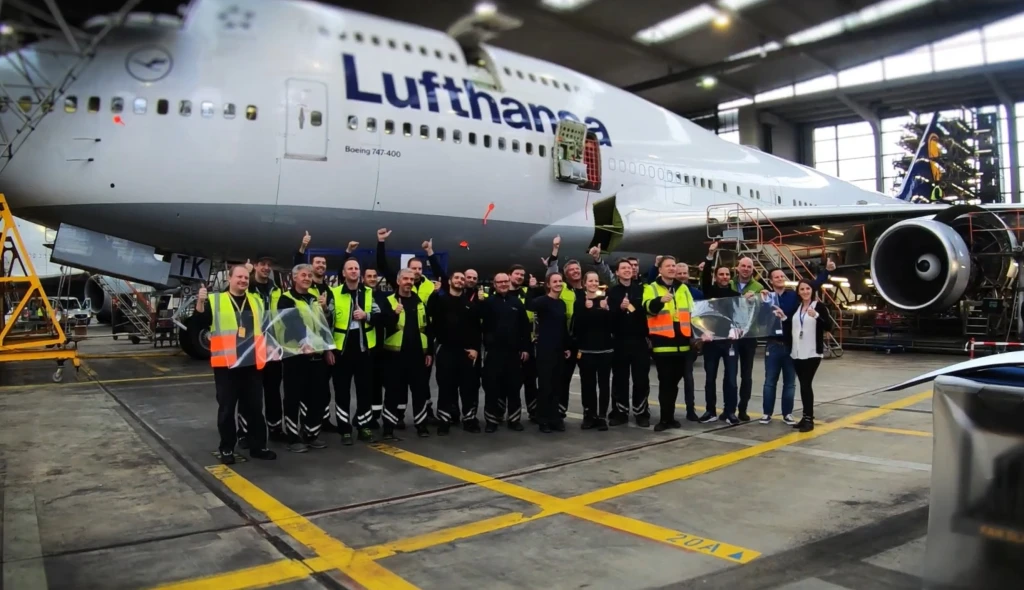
x=15, y=348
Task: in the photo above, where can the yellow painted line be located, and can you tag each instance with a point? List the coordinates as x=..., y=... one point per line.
x=552, y=505
x=450, y=535
x=131, y=355
x=904, y=431
x=152, y=365
x=261, y=576
x=333, y=552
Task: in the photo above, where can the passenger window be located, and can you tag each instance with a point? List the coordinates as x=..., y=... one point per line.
x=408, y=47
x=751, y=193
x=452, y=57
x=661, y=174
x=515, y=145
x=116, y=105
x=206, y=109
x=632, y=167
x=541, y=150
x=725, y=188
x=487, y=141
x=341, y=36
x=359, y=37
x=371, y=124
x=508, y=71
x=139, y=107
x=501, y=143
x=738, y=193
x=162, y=106
x=554, y=83
x=611, y=163
x=622, y=165
x=438, y=54
x=533, y=78
x=94, y=104
x=392, y=44
x=375, y=40
x=472, y=138
x=70, y=104
x=440, y=134
x=520, y=74
x=424, y=131
x=423, y=51
x=250, y=112
x=679, y=179
x=544, y=81
x=529, y=148
x=389, y=127
x=353, y=122
x=643, y=171
x=407, y=129
x=650, y=171
x=229, y=110
x=185, y=108
x=702, y=183
x=457, y=136
x=316, y=118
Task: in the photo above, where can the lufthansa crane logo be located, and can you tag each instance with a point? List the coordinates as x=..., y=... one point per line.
x=149, y=64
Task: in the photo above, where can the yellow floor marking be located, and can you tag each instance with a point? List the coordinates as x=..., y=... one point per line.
x=923, y=433
x=93, y=380
x=261, y=576
x=553, y=505
x=130, y=355
x=333, y=552
x=449, y=535
x=152, y=365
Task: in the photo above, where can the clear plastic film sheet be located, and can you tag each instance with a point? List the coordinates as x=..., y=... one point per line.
x=284, y=333
x=735, y=317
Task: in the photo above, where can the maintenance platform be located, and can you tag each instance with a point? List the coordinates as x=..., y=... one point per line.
x=110, y=482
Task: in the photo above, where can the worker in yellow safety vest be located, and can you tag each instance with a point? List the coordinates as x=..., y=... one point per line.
x=307, y=357
x=354, y=338
x=668, y=304
x=238, y=352
x=409, y=346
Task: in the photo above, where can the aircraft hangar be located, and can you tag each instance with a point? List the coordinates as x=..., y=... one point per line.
x=112, y=479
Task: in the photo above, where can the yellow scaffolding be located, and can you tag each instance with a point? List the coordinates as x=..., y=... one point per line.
x=46, y=342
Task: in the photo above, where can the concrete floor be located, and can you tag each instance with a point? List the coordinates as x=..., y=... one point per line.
x=109, y=482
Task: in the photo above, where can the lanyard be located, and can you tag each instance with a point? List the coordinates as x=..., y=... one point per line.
x=239, y=308
x=803, y=314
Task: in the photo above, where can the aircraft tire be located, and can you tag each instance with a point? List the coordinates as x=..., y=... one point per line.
x=195, y=342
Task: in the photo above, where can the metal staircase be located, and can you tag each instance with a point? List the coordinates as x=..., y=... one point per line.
x=133, y=305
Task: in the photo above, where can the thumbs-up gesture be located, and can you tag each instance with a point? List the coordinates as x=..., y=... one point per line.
x=305, y=239
x=712, y=248
x=589, y=303
x=203, y=293
x=323, y=300
x=382, y=234
x=248, y=266
x=604, y=304
x=399, y=308
x=428, y=246
x=625, y=303
x=830, y=265
x=352, y=247
x=557, y=241
x=666, y=298
x=595, y=252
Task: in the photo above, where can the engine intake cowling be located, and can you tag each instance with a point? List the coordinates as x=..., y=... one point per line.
x=921, y=265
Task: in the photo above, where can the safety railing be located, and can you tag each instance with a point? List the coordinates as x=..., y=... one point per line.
x=972, y=344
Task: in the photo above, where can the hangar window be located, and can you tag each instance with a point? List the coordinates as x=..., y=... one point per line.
x=501, y=143
x=316, y=118
x=359, y=37
x=541, y=150
x=185, y=108
x=389, y=127
x=353, y=122
x=487, y=141
x=515, y=145
x=70, y=104
x=229, y=110
x=371, y=124
x=440, y=134
x=407, y=129
x=94, y=104
x=424, y=131
x=139, y=107
x=529, y=149
x=162, y=106
x=457, y=136
x=116, y=105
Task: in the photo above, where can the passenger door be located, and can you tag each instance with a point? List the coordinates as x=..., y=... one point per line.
x=306, y=128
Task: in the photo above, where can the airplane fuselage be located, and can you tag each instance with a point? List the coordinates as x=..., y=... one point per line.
x=255, y=122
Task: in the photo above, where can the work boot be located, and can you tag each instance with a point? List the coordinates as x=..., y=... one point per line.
x=471, y=426
x=277, y=435
x=691, y=415
x=516, y=426
x=365, y=434
x=388, y=432
x=400, y=425
x=346, y=439
x=243, y=442
x=491, y=427
x=545, y=428
x=588, y=423
x=559, y=426
x=806, y=424
x=421, y=431
x=227, y=457
x=641, y=421
x=601, y=424
x=617, y=419
x=298, y=447
x=265, y=454
x=316, y=443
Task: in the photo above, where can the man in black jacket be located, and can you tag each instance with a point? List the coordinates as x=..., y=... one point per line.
x=629, y=326
x=456, y=318
x=506, y=332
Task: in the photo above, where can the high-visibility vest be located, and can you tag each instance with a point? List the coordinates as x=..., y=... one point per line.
x=568, y=295
x=275, y=296
x=531, y=316
x=224, y=330
x=315, y=291
x=662, y=325
x=394, y=341
x=425, y=290
x=306, y=313
x=342, y=316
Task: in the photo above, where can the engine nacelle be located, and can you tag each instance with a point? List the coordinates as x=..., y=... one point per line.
x=921, y=265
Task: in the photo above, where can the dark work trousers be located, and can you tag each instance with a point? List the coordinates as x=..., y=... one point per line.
x=718, y=353
x=568, y=368
x=456, y=380
x=595, y=374
x=805, y=370
x=746, y=348
x=407, y=373
x=503, y=377
x=304, y=401
x=671, y=369
x=530, y=383
x=378, y=358
x=272, y=401
x=550, y=382
x=631, y=357
x=241, y=387
x=352, y=365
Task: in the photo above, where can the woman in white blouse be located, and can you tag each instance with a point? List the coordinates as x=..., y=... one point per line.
x=804, y=334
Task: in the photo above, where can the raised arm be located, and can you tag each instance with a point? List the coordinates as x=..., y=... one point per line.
x=435, y=264
x=383, y=269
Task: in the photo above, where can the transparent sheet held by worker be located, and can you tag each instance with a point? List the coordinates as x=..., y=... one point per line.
x=734, y=318
x=286, y=333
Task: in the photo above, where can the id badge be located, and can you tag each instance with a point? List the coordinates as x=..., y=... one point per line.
x=732, y=351
x=631, y=309
x=579, y=355
x=241, y=331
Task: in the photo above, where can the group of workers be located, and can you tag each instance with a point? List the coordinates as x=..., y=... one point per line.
x=524, y=334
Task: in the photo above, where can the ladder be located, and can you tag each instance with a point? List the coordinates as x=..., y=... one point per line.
x=133, y=305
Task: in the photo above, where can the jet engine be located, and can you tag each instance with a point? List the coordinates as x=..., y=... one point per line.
x=100, y=299
x=926, y=265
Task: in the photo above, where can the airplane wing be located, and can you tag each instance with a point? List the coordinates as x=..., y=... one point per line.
x=1007, y=360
